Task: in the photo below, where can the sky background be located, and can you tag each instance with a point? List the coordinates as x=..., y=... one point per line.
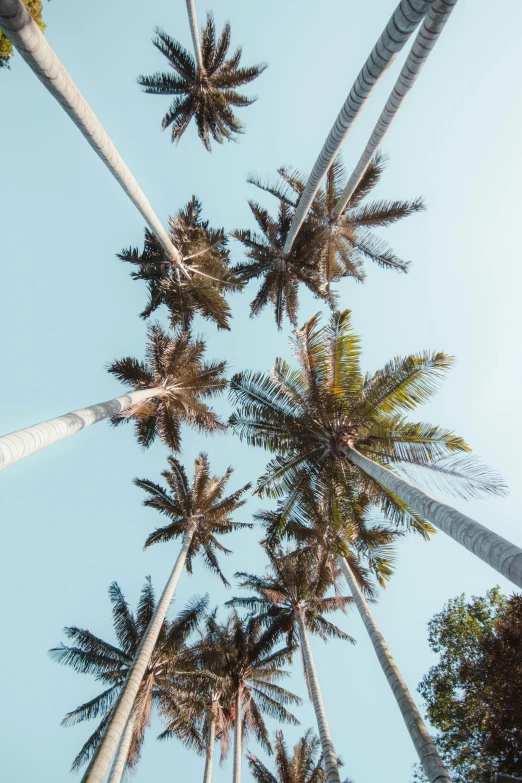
x=72, y=521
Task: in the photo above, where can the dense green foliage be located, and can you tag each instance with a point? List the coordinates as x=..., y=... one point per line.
x=6, y=48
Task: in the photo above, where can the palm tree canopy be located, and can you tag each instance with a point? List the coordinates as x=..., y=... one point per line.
x=304, y=766
x=176, y=365
x=312, y=414
x=345, y=241
x=207, y=275
x=163, y=683
x=203, y=501
x=207, y=95
x=280, y=273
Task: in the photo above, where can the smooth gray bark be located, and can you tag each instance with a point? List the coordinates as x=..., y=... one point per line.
x=209, y=760
x=120, y=760
x=405, y=19
x=23, y=32
x=107, y=748
x=22, y=443
x=496, y=551
x=329, y=757
x=431, y=762
x=238, y=740
x=426, y=39
x=194, y=29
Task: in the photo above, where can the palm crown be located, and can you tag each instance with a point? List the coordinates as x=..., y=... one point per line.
x=206, y=275
x=175, y=365
x=162, y=686
x=208, y=94
x=203, y=501
x=304, y=766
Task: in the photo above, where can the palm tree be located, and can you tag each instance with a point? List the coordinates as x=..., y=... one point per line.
x=345, y=239
x=205, y=87
x=197, y=512
x=328, y=422
x=280, y=273
x=305, y=766
x=168, y=390
x=205, y=259
x=110, y=665
x=291, y=600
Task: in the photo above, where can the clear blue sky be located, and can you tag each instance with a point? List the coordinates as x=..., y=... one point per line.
x=72, y=521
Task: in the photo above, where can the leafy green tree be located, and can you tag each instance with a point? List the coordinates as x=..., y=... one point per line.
x=205, y=91
x=474, y=693
x=160, y=687
x=6, y=48
x=304, y=766
x=206, y=276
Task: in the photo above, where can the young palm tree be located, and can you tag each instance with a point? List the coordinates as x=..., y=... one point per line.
x=110, y=665
x=205, y=87
x=304, y=766
x=328, y=422
x=205, y=258
x=291, y=600
x=280, y=273
x=197, y=512
x=345, y=240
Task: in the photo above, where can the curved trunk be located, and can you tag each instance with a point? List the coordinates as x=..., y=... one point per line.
x=426, y=750
x=105, y=752
x=193, y=21
x=120, y=760
x=17, y=24
x=238, y=740
x=22, y=443
x=426, y=39
x=405, y=18
x=330, y=759
x=207, y=778
x=495, y=550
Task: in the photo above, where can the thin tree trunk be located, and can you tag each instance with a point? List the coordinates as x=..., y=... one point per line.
x=426, y=39
x=105, y=752
x=426, y=750
x=120, y=760
x=330, y=759
x=18, y=25
x=20, y=444
x=238, y=739
x=193, y=21
x=403, y=22
x=495, y=550
x=207, y=778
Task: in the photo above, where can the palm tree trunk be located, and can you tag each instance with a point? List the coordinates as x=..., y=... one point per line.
x=495, y=550
x=405, y=19
x=238, y=739
x=426, y=39
x=120, y=760
x=207, y=778
x=427, y=752
x=105, y=752
x=18, y=25
x=330, y=759
x=193, y=21
x=20, y=444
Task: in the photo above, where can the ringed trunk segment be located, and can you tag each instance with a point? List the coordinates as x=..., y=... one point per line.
x=118, y=768
x=426, y=39
x=107, y=748
x=22, y=443
x=496, y=551
x=330, y=759
x=406, y=17
x=431, y=762
x=238, y=740
x=27, y=38
x=207, y=778
x=194, y=29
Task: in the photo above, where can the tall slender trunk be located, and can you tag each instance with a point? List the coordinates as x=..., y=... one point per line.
x=330, y=759
x=495, y=550
x=207, y=778
x=18, y=25
x=403, y=22
x=120, y=760
x=427, y=752
x=105, y=752
x=193, y=21
x=238, y=739
x=426, y=39
x=20, y=444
